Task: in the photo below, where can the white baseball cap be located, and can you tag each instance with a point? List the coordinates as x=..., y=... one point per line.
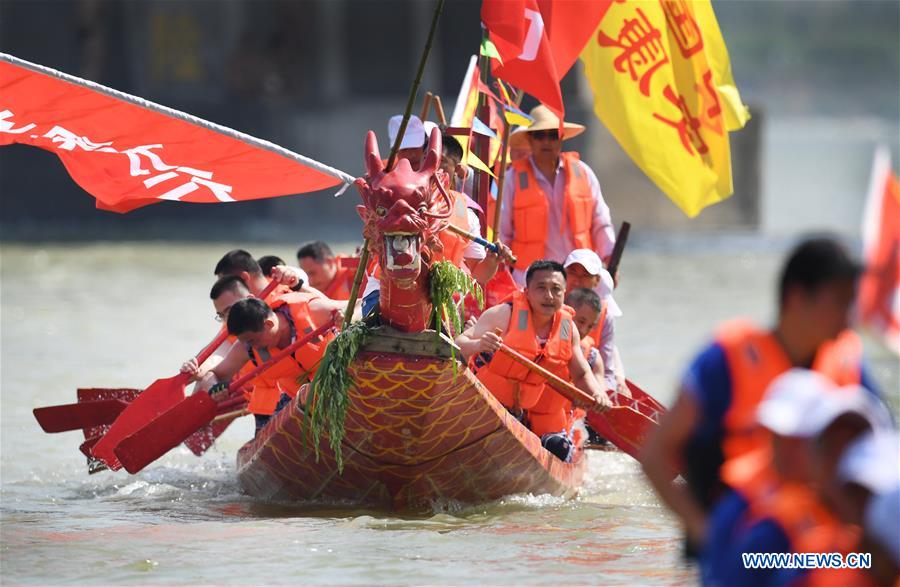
x=881, y=521
x=850, y=399
x=417, y=132
x=587, y=259
x=593, y=265
x=789, y=399
x=872, y=461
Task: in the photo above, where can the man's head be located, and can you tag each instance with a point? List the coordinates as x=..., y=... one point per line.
x=587, y=306
x=545, y=287
x=817, y=288
x=319, y=263
x=225, y=292
x=543, y=136
x=253, y=322
x=870, y=466
x=583, y=267
x=240, y=263
x=269, y=262
x=415, y=138
x=451, y=157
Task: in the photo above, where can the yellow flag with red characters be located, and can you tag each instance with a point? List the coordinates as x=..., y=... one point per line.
x=663, y=87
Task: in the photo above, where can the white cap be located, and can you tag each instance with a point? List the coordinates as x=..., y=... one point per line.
x=417, y=132
x=872, y=461
x=587, y=259
x=882, y=521
x=850, y=399
x=594, y=266
x=789, y=399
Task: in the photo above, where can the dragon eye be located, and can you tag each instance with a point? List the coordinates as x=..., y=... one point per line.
x=423, y=209
x=381, y=211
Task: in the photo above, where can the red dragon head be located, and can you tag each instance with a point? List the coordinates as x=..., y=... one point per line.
x=402, y=212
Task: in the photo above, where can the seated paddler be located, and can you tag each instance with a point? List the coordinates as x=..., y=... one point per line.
x=537, y=324
x=262, y=331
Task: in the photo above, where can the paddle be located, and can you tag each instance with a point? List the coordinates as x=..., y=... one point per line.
x=172, y=427
x=161, y=395
x=621, y=425
x=493, y=247
x=618, y=249
x=65, y=417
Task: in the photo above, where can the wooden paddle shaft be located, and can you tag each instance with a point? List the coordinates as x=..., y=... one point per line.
x=439, y=110
x=286, y=351
x=229, y=416
x=426, y=104
x=619, y=247
x=565, y=389
x=493, y=247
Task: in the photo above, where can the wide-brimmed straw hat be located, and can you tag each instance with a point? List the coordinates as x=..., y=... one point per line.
x=544, y=119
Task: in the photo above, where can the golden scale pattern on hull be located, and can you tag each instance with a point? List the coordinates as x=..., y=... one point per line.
x=416, y=432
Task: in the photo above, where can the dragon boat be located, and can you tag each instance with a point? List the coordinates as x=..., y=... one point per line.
x=419, y=427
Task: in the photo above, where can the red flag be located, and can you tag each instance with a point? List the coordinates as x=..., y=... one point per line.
x=539, y=41
x=128, y=152
x=879, y=289
x=524, y=49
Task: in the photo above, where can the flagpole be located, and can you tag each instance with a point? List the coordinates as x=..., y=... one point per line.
x=481, y=187
x=501, y=175
x=364, y=254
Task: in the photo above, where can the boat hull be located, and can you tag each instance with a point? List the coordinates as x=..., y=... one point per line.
x=416, y=432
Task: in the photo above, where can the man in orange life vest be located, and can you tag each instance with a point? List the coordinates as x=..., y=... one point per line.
x=552, y=202
x=325, y=271
x=773, y=506
x=262, y=331
x=538, y=325
x=713, y=418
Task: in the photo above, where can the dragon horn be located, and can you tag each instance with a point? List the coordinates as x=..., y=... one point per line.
x=374, y=164
x=433, y=157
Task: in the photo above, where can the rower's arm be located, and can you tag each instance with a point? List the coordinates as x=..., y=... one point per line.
x=475, y=339
x=581, y=374
x=661, y=456
x=236, y=358
x=322, y=309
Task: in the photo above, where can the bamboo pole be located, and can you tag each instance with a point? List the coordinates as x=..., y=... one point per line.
x=501, y=176
x=364, y=254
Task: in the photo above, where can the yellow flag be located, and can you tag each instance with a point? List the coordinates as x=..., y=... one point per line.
x=663, y=87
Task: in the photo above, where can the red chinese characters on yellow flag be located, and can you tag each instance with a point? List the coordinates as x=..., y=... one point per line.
x=663, y=86
x=878, y=301
x=128, y=152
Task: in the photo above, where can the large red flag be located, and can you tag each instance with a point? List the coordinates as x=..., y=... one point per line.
x=879, y=289
x=539, y=41
x=128, y=152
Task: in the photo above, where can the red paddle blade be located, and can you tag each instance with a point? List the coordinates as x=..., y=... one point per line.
x=167, y=431
x=200, y=441
x=81, y=415
x=156, y=399
x=94, y=465
x=622, y=426
x=92, y=394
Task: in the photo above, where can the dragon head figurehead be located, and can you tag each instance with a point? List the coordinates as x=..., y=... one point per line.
x=402, y=212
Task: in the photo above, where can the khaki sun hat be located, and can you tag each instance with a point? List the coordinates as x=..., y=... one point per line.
x=544, y=119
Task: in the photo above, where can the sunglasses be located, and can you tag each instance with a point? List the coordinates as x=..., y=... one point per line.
x=541, y=135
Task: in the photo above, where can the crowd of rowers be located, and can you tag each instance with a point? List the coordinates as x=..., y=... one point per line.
x=548, y=294
x=784, y=442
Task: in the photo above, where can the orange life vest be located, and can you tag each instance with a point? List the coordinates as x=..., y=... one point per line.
x=531, y=209
x=287, y=375
x=514, y=385
x=340, y=286
x=454, y=244
x=755, y=358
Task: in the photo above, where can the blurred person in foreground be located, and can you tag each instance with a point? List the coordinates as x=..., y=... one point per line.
x=778, y=502
x=714, y=415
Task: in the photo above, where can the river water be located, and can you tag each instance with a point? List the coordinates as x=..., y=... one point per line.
x=123, y=315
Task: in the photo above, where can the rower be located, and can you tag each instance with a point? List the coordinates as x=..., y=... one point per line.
x=537, y=324
x=589, y=311
x=713, y=416
x=268, y=263
x=240, y=263
x=262, y=331
x=584, y=269
x=325, y=270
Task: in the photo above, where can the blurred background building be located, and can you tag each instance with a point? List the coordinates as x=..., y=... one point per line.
x=822, y=78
